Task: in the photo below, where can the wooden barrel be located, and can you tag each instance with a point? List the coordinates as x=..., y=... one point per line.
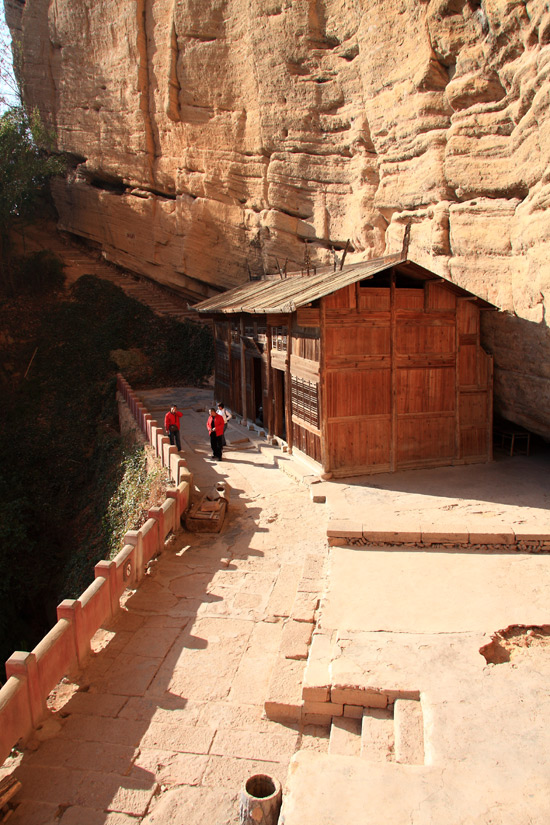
x=260, y=800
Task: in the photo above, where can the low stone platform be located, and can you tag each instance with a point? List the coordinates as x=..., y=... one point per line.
x=504, y=505
x=429, y=671
x=355, y=534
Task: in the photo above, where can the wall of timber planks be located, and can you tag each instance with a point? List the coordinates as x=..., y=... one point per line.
x=406, y=382
x=376, y=379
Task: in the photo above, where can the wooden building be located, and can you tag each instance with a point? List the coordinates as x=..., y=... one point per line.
x=373, y=368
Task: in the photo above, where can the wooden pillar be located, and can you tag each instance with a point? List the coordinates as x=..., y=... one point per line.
x=393, y=362
x=231, y=400
x=457, y=381
x=288, y=387
x=243, y=371
x=269, y=422
x=323, y=401
x=490, y=369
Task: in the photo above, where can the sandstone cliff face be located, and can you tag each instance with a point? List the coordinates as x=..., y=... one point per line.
x=215, y=135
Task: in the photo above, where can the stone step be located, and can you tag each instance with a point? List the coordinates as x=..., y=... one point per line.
x=345, y=737
x=322, y=789
x=79, y=261
x=377, y=735
x=296, y=598
x=409, y=732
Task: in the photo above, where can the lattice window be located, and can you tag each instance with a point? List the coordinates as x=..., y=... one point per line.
x=279, y=339
x=305, y=400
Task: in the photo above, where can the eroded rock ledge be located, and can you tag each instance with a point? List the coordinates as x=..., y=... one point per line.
x=217, y=136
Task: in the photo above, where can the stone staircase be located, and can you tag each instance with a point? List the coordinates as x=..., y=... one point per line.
x=82, y=260
x=394, y=734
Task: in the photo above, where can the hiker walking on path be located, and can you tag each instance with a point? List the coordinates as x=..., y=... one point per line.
x=226, y=416
x=172, y=426
x=215, y=425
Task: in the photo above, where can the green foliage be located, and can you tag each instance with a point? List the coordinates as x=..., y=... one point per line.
x=25, y=165
x=128, y=506
x=69, y=485
x=38, y=274
x=183, y=353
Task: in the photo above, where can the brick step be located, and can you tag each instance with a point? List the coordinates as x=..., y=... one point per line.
x=393, y=734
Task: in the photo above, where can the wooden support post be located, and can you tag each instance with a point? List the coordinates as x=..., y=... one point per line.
x=323, y=401
x=344, y=255
x=270, y=416
x=489, y=391
x=230, y=401
x=457, y=386
x=393, y=361
x=288, y=386
x=243, y=372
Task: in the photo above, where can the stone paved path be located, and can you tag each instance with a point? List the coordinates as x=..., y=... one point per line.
x=167, y=720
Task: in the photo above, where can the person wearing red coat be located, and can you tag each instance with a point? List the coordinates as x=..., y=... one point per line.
x=215, y=426
x=172, y=425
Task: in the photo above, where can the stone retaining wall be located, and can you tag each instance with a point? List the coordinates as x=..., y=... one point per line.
x=32, y=676
x=347, y=534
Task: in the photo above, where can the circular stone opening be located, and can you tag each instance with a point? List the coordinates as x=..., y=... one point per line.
x=260, y=786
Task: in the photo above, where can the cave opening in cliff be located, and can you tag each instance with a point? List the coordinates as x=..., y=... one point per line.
x=111, y=184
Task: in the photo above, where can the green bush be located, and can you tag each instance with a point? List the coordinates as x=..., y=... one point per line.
x=38, y=274
x=68, y=484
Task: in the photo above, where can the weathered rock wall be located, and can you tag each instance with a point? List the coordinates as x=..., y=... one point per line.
x=216, y=135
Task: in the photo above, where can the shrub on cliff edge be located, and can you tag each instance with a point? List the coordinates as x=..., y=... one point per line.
x=62, y=455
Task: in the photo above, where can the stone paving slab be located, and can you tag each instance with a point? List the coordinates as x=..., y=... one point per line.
x=435, y=592
x=173, y=728
x=167, y=719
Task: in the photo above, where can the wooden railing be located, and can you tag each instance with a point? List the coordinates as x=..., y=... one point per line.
x=32, y=676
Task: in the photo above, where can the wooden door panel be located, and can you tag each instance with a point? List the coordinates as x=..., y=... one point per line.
x=373, y=298
x=418, y=338
x=360, y=443
x=355, y=393
x=425, y=439
x=425, y=390
x=473, y=409
x=357, y=340
x=473, y=442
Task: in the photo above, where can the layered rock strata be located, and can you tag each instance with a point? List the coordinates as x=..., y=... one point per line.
x=212, y=139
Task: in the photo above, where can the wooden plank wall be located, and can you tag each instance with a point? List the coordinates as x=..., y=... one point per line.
x=357, y=379
x=475, y=382
x=425, y=370
x=406, y=381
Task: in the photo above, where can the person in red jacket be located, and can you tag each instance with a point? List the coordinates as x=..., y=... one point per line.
x=215, y=425
x=172, y=425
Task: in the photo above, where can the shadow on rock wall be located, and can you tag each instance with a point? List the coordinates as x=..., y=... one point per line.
x=521, y=351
